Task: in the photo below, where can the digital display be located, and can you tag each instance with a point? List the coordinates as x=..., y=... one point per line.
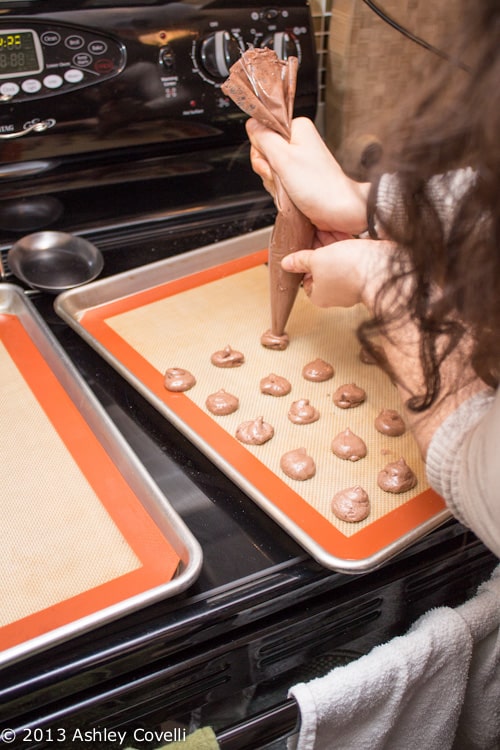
x=20, y=53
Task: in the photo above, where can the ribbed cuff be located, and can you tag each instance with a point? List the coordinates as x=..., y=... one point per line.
x=444, y=457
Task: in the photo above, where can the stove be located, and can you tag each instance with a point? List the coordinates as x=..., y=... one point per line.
x=113, y=127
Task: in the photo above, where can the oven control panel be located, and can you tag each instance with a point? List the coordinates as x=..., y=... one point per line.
x=112, y=74
x=42, y=59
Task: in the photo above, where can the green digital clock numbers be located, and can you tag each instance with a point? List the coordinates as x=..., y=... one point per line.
x=20, y=53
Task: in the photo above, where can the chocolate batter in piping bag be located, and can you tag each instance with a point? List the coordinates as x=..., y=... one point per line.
x=264, y=86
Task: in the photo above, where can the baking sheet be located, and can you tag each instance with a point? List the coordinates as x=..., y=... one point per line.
x=177, y=312
x=86, y=535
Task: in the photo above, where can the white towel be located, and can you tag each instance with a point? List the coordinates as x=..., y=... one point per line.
x=415, y=691
x=479, y=725
x=404, y=694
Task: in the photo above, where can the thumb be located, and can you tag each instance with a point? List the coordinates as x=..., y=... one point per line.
x=299, y=262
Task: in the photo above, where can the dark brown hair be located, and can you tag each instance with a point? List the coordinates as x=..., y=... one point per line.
x=454, y=123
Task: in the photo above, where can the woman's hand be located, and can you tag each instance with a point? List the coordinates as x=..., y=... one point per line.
x=310, y=175
x=343, y=273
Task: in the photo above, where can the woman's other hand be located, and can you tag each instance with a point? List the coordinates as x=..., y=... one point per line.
x=343, y=273
x=310, y=175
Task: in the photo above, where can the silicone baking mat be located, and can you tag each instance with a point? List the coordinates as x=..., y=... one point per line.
x=76, y=539
x=181, y=322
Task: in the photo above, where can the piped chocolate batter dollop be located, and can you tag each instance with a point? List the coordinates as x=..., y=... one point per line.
x=254, y=432
x=349, y=396
x=318, y=371
x=275, y=385
x=351, y=504
x=349, y=446
x=297, y=464
x=303, y=412
x=178, y=380
x=396, y=477
x=274, y=341
x=390, y=422
x=227, y=357
x=222, y=403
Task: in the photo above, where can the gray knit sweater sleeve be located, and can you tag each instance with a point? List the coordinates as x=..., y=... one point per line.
x=444, y=190
x=463, y=465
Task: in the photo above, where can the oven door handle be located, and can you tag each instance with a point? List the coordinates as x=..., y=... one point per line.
x=259, y=730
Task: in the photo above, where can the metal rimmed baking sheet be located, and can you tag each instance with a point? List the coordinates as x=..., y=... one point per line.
x=87, y=535
x=178, y=311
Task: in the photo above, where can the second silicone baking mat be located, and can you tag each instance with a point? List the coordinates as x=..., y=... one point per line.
x=79, y=547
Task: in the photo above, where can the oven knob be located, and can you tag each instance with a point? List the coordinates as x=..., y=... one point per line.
x=218, y=52
x=283, y=44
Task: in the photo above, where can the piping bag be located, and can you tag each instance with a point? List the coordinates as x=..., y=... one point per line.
x=263, y=86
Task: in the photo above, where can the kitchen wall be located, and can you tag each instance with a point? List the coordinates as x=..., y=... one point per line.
x=365, y=67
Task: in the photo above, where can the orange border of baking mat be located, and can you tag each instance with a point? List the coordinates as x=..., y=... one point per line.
x=363, y=544
x=158, y=558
